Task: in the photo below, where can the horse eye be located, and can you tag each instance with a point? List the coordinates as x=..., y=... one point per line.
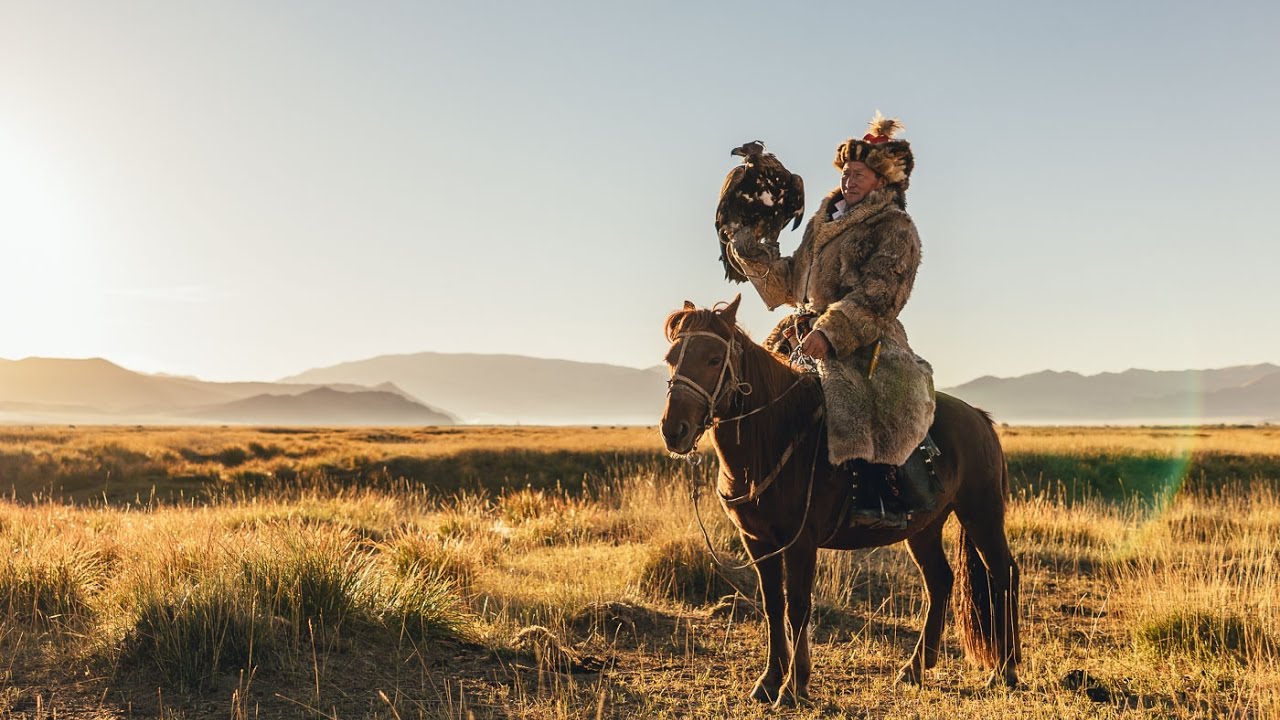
x=716, y=360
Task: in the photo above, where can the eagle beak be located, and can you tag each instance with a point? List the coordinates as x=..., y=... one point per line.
x=737, y=152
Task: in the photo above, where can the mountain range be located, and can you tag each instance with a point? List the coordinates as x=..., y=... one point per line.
x=1245, y=393
x=326, y=406
x=505, y=389
x=439, y=389
x=56, y=390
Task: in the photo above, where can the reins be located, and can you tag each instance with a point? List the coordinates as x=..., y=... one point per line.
x=804, y=519
x=757, y=490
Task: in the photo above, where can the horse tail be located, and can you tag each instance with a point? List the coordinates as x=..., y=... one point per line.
x=971, y=603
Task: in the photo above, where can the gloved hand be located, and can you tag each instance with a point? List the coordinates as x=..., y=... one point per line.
x=747, y=245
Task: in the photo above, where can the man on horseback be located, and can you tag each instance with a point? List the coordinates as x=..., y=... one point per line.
x=849, y=280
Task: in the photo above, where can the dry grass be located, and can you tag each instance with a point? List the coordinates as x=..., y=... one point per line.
x=145, y=464
x=141, y=465
x=1261, y=440
x=215, y=449
x=394, y=600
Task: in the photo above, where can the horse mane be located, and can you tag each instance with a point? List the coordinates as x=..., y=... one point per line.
x=769, y=376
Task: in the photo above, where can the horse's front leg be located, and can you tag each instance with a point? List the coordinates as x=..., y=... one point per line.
x=800, y=562
x=770, y=574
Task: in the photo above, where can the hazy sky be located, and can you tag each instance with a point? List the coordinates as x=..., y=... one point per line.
x=242, y=190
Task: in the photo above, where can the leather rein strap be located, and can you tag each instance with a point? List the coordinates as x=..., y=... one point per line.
x=758, y=490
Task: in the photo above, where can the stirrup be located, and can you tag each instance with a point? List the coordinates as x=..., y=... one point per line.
x=881, y=519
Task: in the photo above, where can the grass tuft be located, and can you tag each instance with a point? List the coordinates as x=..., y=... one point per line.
x=190, y=637
x=422, y=603
x=310, y=576
x=417, y=553
x=682, y=569
x=1205, y=634
x=46, y=584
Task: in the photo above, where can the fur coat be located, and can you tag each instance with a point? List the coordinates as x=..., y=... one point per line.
x=855, y=273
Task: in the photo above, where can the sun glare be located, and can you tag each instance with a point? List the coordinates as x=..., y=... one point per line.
x=41, y=243
x=33, y=212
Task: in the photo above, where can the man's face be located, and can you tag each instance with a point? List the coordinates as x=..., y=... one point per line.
x=857, y=181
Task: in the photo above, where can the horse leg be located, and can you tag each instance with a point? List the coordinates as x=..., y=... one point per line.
x=769, y=571
x=926, y=550
x=987, y=535
x=800, y=563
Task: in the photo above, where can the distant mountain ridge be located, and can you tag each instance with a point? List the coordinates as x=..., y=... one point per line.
x=508, y=389
x=1237, y=394
x=95, y=390
x=367, y=407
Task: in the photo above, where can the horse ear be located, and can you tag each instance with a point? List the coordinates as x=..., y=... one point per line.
x=730, y=311
x=689, y=305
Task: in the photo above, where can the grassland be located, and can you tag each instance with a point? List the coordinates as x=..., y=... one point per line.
x=559, y=573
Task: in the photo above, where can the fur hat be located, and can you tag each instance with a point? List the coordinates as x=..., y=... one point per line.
x=890, y=159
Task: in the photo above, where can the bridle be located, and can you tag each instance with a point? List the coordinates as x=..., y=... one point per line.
x=728, y=371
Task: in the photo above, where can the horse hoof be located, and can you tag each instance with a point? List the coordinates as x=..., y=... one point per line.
x=787, y=699
x=762, y=694
x=1007, y=679
x=909, y=675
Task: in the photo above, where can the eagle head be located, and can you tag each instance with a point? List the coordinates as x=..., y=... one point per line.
x=747, y=150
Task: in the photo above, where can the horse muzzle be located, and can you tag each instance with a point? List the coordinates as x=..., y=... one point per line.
x=678, y=436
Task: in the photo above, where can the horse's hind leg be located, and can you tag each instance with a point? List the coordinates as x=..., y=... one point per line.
x=985, y=530
x=926, y=550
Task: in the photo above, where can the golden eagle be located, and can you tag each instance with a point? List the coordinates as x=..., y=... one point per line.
x=759, y=197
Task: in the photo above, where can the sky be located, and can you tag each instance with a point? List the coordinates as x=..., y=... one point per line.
x=244, y=190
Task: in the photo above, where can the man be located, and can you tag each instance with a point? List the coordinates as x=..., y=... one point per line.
x=849, y=279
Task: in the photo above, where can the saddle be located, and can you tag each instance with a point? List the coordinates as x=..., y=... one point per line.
x=917, y=479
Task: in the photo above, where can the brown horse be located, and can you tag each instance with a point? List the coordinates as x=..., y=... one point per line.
x=787, y=500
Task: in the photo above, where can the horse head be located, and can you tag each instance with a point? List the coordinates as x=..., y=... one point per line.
x=704, y=362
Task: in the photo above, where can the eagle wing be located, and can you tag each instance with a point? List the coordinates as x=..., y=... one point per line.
x=729, y=214
x=781, y=198
x=725, y=210
x=795, y=200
